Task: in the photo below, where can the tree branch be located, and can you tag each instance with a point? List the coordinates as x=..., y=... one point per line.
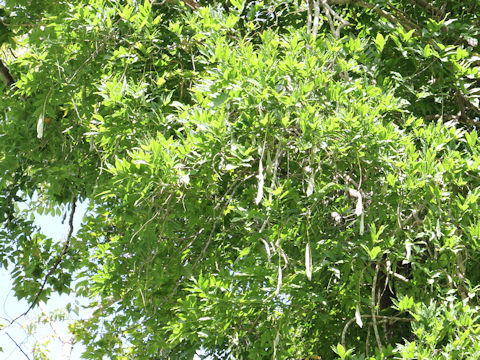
x=329, y=13
x=316, y=18
x=329, y=18
x=309, y=16
x=373, y=306
x=57, y=262
x=378, y=10
x=435, y=11
x=379, y=317
x=230, y=192
x=404, y=18
x=18, y=346
x=190, y=3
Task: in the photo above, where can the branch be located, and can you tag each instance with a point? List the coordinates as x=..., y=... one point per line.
x=374, y=318
x=461, y=270
x=343, y=22
x=316, y=18
x=380, y=317
x=435, y=11
x=309, y=16
x=18, y=346
x=375, y=8
x=404, y=18
x=230, y=192
x=57, y=262
x=190, y=3
x=457, y=118
x=329, y=13
x=329, y=18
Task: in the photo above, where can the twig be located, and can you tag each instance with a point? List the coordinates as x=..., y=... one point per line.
x=404, y=18
x=145, y=224
x=435, y=11
x=190, y=3
x=329, y=12
x=316, y=18
x=202, y=253
x=57, y=262
x=461, y=103
x=92, y=56
x=367, y=341
x=375, y=8
x=461, y=275
x=193, y=237
x=76, y=109
x=329, y=18
x=309, y=16
x=374, y=318
x=67, y=340
x=380, y=317
x=18, y=346
x=230, y=192
x=342, y=21
x=182, y=84
x=165, y=217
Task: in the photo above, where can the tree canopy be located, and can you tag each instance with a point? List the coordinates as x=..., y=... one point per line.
x=265, y=179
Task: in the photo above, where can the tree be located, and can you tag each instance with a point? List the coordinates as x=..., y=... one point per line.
x=265, y=179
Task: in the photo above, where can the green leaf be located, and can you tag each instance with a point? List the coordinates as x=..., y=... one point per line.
x=372, y=253
x=380, y=42
x=340, y=350
x=239, y=4
x=405, y=303
x=427, y=50
x=375, y=234
x=244, y=252
x=126, y=12
x=471, y=138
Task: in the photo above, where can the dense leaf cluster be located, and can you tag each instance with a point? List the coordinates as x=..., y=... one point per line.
x=255, y=189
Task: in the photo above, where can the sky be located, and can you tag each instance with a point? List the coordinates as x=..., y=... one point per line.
x=10, y=307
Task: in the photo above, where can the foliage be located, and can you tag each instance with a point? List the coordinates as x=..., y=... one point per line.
x=256, y=190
